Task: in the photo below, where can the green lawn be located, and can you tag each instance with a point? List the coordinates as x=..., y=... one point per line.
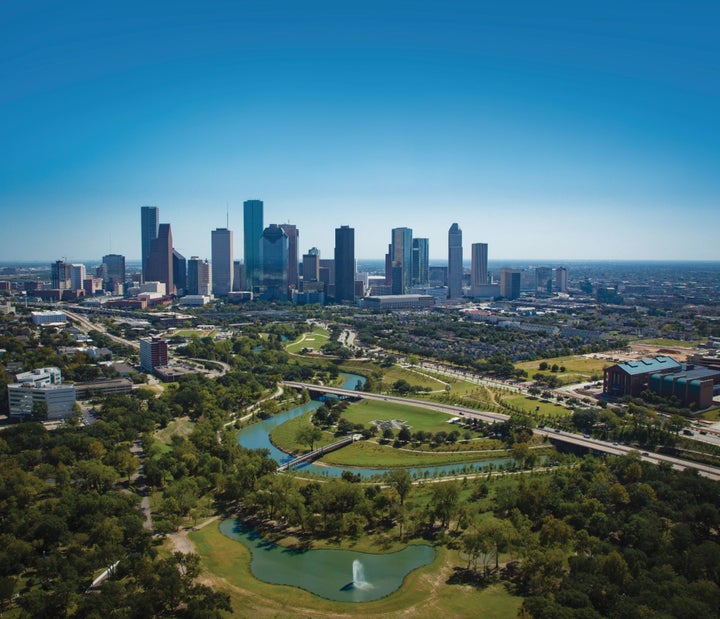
x=371, y=454
x=424, y=594
x=313, y=339
x=577, y=368
x=192, y=333
x=283, y=436
x=417, y=418
x=712, y=414
x=182, y=426
x=393, y=374
x=663, y=341
x=537, y=407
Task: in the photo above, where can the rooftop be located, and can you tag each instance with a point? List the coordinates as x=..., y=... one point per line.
x=655, y=364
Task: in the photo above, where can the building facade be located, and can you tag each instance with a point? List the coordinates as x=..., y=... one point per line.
x=344, y=264
x=222, y=261
x=455, y=262
x=253, y=231
x=113, y=271
x=274, y=261
x=160, y=261
x=401, y=254
x=510, y=280
x=293, y=236
x=478, y=267
x=421, y=262
x=149, y=225
x=153, y=353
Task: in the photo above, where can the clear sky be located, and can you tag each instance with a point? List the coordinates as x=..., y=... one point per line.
x=550, y=130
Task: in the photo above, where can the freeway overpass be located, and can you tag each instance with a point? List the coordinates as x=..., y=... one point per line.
x=450, y=409
x=570, y=438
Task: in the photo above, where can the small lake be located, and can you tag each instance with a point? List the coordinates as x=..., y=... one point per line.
x=340, y=575
x=257, y=436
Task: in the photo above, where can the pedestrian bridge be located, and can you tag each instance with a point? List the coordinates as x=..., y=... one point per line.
x=319, y=453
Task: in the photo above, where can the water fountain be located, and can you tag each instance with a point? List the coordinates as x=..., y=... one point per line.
x=358, y=573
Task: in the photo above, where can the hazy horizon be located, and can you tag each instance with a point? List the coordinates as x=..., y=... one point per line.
x=544, y=129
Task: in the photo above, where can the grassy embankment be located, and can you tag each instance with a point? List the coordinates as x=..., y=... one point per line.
x=578, y=368
x=424, y=594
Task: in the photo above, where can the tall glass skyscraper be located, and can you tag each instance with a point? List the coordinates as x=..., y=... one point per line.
x=253, y=231
x=401, y=252
x=293, y=235
x=113, y=266
x=455, y=258
x=344, y=263
x=222, y=261
x=421, y=262
x=149, y=223
x=274, y=260
x=478, y=266
x=160, y=260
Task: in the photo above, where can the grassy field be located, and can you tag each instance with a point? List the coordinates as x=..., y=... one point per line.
x=314, y=339
x=283, y=436
x=577, y=368
x=417, y=418
x=425, y=593
x=663, y=341
x=546, y=409
x=712, y=414
x=182, y=426
x=372, y=454
x=393, y=374
x=192, y=333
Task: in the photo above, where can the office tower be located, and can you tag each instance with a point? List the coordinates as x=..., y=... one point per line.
x=153, y=353
x=222, y=261
x=388, y=266
x=160, y=261
x=192, y=275
x=510, y=283
x=274, y=260
x=478, y=266
x=543, y=279
x=344, y=264
x=149, y=225
x=253, y=231
x=77, y=275
x=455, y=262
x=60, y=275
x=311, y=265
x=239, y=282
x=179, y=272
x=293, y=235
x=113, y=271
x=421, y=262
x=204, y=278
x=401, y=256
x=561, y=279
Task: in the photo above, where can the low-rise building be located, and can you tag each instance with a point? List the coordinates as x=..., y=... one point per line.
x=41, y=386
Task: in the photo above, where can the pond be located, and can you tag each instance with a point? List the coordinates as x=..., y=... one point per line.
x=340, y=575
x=257, y=436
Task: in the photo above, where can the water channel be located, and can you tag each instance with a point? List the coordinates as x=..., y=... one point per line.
x=257, y=436
x=341, y=575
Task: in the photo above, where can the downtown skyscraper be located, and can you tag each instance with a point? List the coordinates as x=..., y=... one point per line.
x=149, y=224
x=253, y=231
x=401, y=254
x=222, y=261
x=160, y=260
x=478, y=266
x=455, y=262
x=344, y=264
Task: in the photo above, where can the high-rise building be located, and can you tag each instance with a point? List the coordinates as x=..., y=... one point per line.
x=149, y=225
x=113, y=271
x=222, y=261
x=274, y=261
x=293, y=235
x=77, y=276
x=153, y=353
x=239, y=282
x=401, y=252
x=204, y=278
x=60, y=275
x=510, y=283
x=311, y=265
x=192, y=275
x=253, y=231
x=421, y=262
x=543, y=279
x=179, y=272
x=344, y=263
x=561, y=279
x=478, y=266
x=455, y=262
x=160, y=261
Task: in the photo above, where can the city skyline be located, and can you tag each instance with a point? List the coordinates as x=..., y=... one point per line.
x=552, y=132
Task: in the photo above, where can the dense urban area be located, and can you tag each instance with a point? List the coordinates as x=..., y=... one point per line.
x=550, y=453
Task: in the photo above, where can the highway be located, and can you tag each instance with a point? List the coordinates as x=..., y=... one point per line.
x=711, y=472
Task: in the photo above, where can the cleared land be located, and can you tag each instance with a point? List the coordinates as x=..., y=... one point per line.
x=578, y=368
x=314, y=339
x=536, y=407
x=425, y=593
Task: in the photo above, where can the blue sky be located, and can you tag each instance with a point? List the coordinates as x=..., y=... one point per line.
x=550, y=130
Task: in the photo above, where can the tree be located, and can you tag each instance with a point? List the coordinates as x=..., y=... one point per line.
x=401, y=482
x=308, y=435
x=444, y=500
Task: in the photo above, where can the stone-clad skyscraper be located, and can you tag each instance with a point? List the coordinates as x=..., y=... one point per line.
x=222, y=261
